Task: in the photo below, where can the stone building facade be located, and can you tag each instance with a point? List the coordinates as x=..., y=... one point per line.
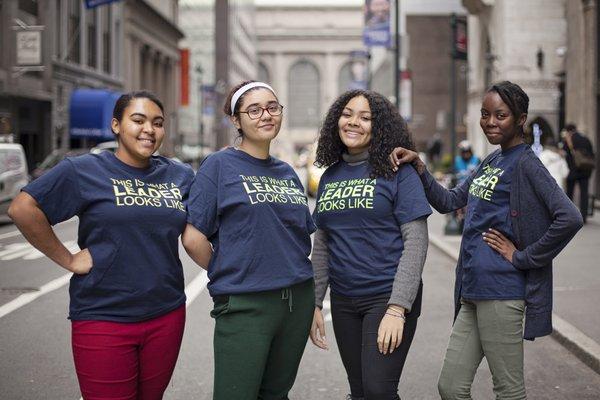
x=120, y=46
x=522, y=42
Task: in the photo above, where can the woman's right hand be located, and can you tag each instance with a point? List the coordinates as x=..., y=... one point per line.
x=317, y=330
x=400, y=155
x=81, y=262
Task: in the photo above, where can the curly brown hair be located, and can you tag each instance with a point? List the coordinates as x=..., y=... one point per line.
x=388, y=130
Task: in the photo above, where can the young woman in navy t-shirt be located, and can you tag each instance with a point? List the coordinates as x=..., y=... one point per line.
x=371, y=242
x=250, y=226
x=127, y=300
x=517, y=220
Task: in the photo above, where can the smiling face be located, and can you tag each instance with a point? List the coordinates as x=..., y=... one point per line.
x=140, y=132
x=355, y=125
x=263, y=129
x=498, y=122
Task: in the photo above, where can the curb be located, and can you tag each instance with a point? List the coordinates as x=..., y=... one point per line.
x=577, y=342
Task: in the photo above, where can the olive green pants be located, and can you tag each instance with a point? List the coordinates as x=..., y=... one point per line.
x=259, y=340
x=490, y=328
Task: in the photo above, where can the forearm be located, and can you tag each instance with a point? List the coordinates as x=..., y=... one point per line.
x=320, y=260
x=34, y=226
x=197, y=246
x=442, y=199
x=410, y=267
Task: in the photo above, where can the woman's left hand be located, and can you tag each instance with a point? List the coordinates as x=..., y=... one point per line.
x=500, y=243
x=389, y=335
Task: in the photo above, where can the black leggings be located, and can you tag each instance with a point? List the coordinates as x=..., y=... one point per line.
x=372, y=375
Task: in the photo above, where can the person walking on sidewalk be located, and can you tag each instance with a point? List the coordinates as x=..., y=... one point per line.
x=578, y=148
x=518, y=219
x=371, y=243
x=127, y=300
x=252, y=209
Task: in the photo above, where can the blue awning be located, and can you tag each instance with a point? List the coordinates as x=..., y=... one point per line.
x=90, y=113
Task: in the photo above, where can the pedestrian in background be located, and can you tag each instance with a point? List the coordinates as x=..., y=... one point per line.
x=581, y=161
x=371, y=243
x=554, y=161
x=465, y=162
x=517, y=221
x=127, y=300
x=252, y=209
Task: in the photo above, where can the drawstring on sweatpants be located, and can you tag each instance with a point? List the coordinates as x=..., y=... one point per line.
x=286, y=294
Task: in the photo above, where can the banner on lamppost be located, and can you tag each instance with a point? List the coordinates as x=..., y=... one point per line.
x=406, y=95
x=460, y=39
x=376, y=31
x=359, y=69
x=184, y=56
x=95, y=3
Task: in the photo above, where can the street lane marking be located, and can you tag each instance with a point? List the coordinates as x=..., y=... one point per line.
x=28, y=252
x=27, y=298
x=18, y=232
x=10, y=234
x=326, y=310
x=191, y=291
x=195, y=287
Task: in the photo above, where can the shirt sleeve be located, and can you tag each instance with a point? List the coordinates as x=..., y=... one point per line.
x=203, y=204
x=410, y=202
x=57, y=192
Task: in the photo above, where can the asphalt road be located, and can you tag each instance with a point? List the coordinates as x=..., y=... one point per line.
x=36, y=363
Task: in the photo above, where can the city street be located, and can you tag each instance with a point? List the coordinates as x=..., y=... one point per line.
x=36, y=363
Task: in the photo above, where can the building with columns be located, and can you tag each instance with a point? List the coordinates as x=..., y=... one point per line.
x=304, y=52
x=550, y=48
x=213, y=68
x=151, y=57
x=523, y=42
x=84, y=54
x=582, y=72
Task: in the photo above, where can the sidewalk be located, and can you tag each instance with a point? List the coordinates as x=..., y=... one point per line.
x=576, y=320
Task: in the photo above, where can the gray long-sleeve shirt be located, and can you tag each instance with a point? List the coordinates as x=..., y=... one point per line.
x=408, y=274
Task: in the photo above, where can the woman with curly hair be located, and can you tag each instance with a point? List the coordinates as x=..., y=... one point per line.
x=371, y=242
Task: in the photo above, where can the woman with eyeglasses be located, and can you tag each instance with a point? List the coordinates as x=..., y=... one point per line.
x=249, y=225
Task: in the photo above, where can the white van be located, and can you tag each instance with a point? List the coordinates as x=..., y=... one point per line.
x=13, y=173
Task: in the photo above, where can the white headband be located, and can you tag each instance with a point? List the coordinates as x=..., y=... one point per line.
x=238, y=93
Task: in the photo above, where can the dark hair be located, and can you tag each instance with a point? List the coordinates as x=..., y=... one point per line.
x=126, y=98
x=238, y=104
x=388, y=130
x=571, y=127
x=513, y=96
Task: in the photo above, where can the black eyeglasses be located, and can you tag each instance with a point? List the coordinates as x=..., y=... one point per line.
x=255, y=112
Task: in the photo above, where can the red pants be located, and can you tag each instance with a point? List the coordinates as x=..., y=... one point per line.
x=127, y=361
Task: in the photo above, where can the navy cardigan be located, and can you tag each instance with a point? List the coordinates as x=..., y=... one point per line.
x=544, y=220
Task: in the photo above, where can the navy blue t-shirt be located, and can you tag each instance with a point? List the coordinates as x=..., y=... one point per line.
x=255, y=214
x=487, y=275
x=130, y=220
x=362, y=218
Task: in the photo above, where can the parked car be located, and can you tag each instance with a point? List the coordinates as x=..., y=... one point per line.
x=54, y=158
x=313, y=173
x=13, y=173
x=110, y=146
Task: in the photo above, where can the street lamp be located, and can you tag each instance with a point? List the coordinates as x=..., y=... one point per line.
x=200, y=71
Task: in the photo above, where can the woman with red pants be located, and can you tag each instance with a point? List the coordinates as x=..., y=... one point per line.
x=127, y=300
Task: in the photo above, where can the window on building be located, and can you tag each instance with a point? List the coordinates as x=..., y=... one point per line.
x=263, y=73
x=92, y=45
x=304, y=95
x=73, y=31
x=57, y=30
x=29, y=6
x=344, y=78
x=106, y=39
